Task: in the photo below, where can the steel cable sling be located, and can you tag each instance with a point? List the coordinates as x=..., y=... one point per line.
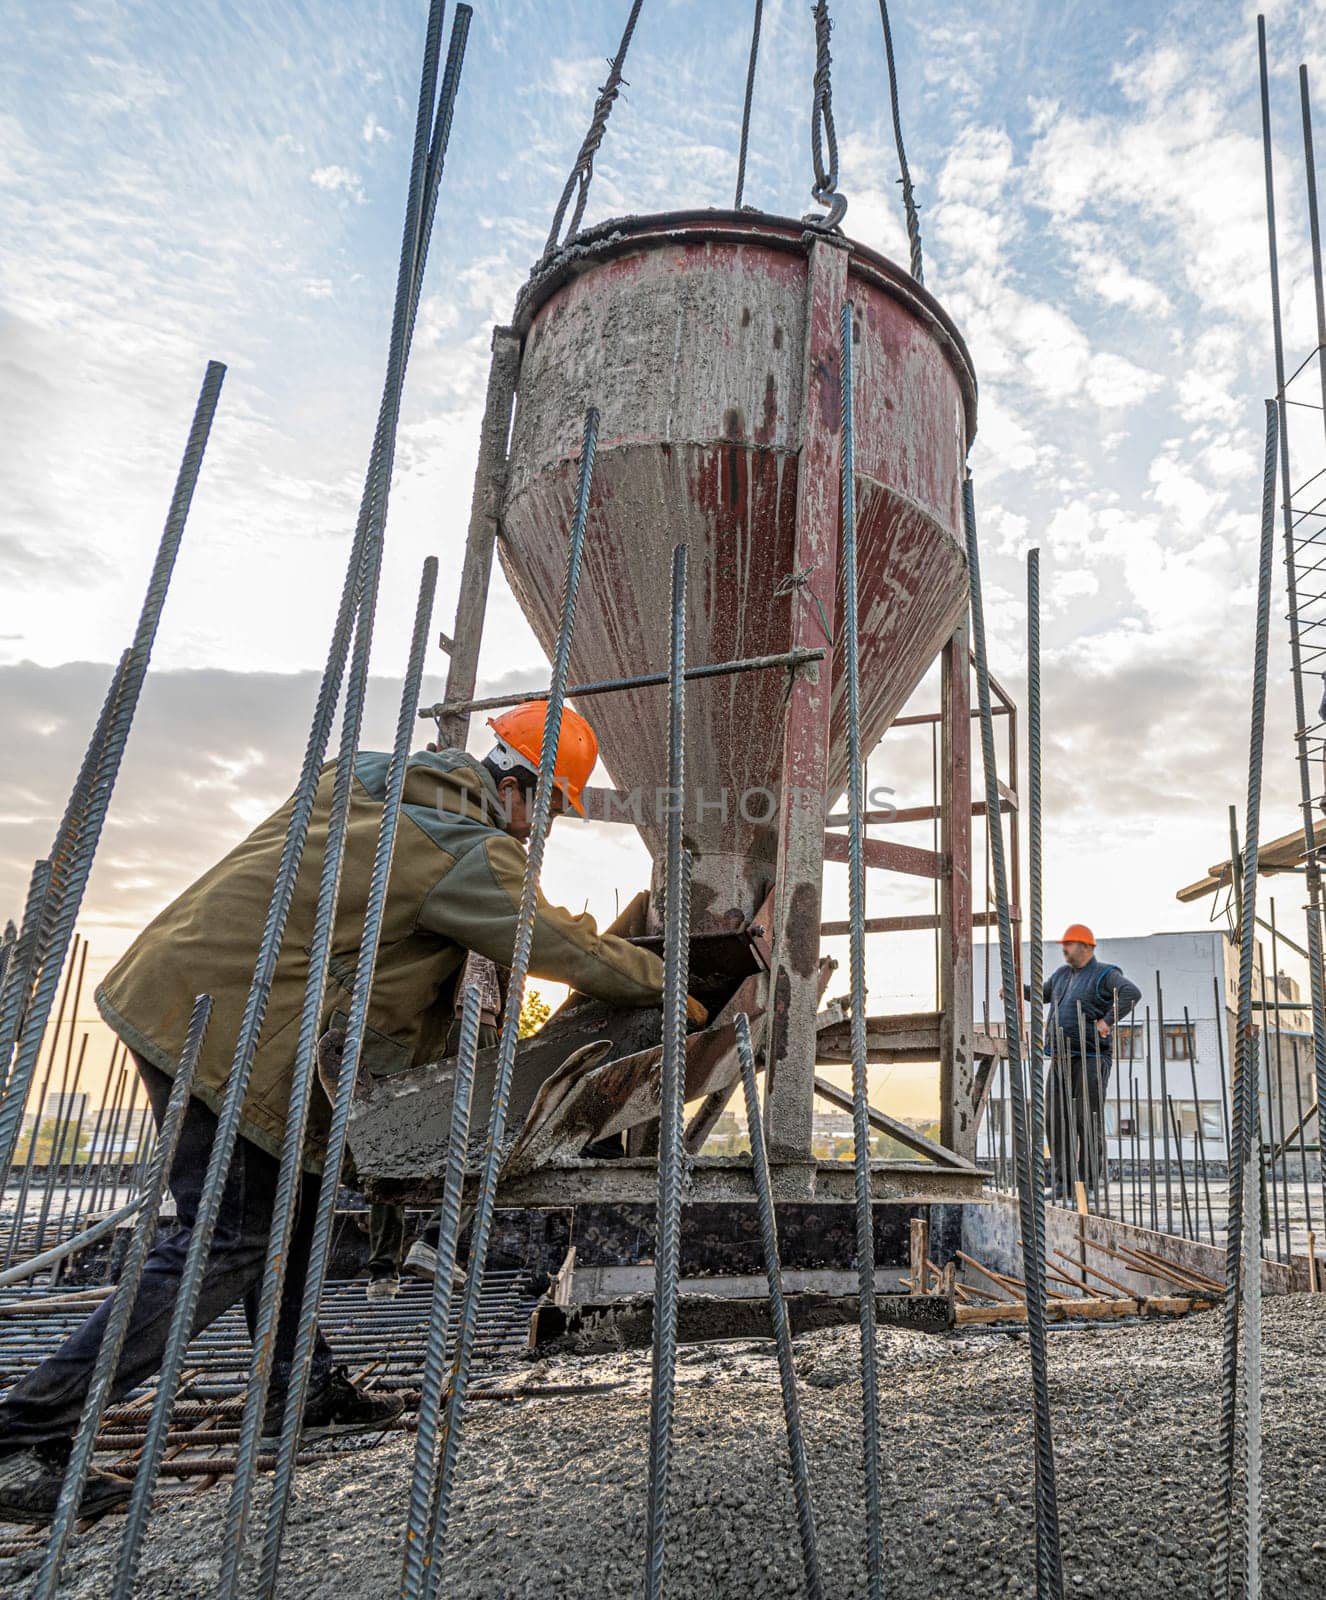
x=582, y=173
x=823, y=134
x=905, y=176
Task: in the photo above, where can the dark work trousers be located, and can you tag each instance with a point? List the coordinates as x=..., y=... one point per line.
x=1074, y=1121
x=386, y=1239
x=46, y=1404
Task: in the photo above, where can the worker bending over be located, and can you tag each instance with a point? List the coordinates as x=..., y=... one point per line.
x=1086, y=998
x=455, y=887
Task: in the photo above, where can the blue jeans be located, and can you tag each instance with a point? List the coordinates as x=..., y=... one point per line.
x=46, y=1404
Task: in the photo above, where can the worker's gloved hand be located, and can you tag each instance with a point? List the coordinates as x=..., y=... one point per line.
x=695, y=1012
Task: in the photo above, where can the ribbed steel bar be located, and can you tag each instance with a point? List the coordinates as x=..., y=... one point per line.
x=433, y=131
x=72, y=976
x=787, y=1377
x=1151, y=1127
x=856, y=901
x=1245, y=1095
x=117, y=1325
x=1312, y=866
x=356, y=1029
x=1035, y=858
x=671, y=1153
x=93, y=814
x=360, y=567
x=792, y=659
x=15, y=988
x=50, y=878
x=59, y=1139
x=481, y=1227
x=1252, y=1387
x=1031, y=1200
x=418, y=1523
x=1164, y=1102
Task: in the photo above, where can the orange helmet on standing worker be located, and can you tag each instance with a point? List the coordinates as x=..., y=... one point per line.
x=521, y=730
x=1078, y=933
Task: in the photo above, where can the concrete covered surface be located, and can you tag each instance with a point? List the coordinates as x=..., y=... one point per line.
x=550, y=1497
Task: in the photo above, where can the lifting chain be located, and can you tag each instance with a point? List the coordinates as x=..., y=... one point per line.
x=822, y=134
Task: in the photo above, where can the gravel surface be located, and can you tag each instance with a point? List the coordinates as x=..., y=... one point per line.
x=551, y=1493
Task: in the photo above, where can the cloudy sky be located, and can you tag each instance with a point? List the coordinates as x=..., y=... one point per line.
x=227, y=181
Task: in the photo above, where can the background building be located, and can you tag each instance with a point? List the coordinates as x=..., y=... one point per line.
x=1178, y=1043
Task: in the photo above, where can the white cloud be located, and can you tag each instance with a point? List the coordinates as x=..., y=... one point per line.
x=338, y=180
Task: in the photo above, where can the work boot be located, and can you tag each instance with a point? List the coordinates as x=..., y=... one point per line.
x=336, y=1407
x=382, y=1286
x=421, y=1262
x=30, y=1479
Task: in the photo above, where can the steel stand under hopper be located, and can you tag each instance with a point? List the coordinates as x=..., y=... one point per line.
x=708, y=341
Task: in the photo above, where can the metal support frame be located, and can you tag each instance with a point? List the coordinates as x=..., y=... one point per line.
x=485, y=524
x=794, y=994
x=957, y=1109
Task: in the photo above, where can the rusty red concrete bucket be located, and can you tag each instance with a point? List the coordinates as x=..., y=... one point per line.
x=687, y=331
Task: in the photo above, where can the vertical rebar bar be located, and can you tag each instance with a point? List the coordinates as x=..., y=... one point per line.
x=418, y=1523
x=73, y=973
x=1035, y=852
x=358, y=601
x=480, y=1228
x=1312, y=866
x=360, y=568
x=117, y=1325
x=1199, y=1145
x=1302, y=1139
x=1162, y=1047
x=1049, y=1565
x=856, y=900
x=782, y=1331
x=73, y=882
x=1245, y=1116
x=1151, y=1126
x=676, y=951
x=325, y=1216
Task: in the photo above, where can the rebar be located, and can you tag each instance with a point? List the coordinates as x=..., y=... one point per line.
x=92, y=815
x=1164, y=1101
x=73, y=974
x=856, y=899
x=1035, y=845
x=361, y=567
x=671, y=1151
x=1312, y=866
x=418, y=1525
x=356, y=603
x=481, y=1227
x=792, y=660
x=356, y=1027
x=1245, y=1068
x=117, y=1324
x=1031, y=1201
x=764, y=1205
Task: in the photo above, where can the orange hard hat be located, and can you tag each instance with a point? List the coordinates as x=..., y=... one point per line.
x=577, y=749
x=1078, y=933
